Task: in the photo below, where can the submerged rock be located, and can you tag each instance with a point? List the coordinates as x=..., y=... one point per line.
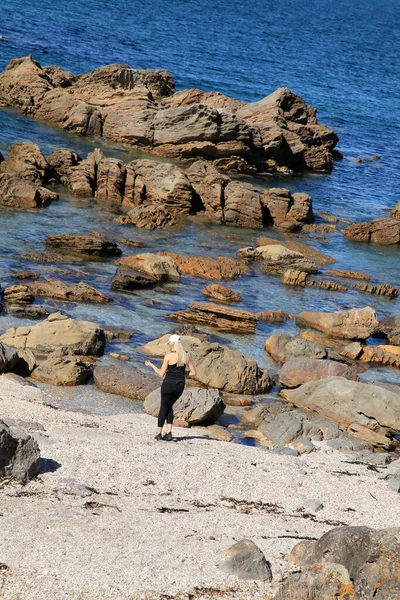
x=81, y=292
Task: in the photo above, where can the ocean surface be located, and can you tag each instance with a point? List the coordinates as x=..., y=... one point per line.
x=342, y=57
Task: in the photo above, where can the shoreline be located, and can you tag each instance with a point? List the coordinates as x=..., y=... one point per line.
x=188, y=500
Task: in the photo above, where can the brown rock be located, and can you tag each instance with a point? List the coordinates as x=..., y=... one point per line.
x=215, y=315
x=293, y=277
x=125, y=381
x=221, y=293
x=355, y=323
x=110, y=180
x=380, y=289
x=235, y=400
x=82, y=179
x=18, y=294
x=275, y=316
x=154, y=266
x=81, y=292
x=349, y=274
x=209, y=268
x=320, y=228
x=395, y=212
x=319, y=257
x=131, y=242
x=283, y=347
x=266, y=241
x=19, y=193
x=242, y=206
x=297, y=371
x=61, y=162
x=209, y=185
x=386, y=355
x=128, y=280
x=26, y=160
x=378, y=231
x=150, y=217
x=26, y=275
x=23, y=311
x=390, y=327
x=92, y=244
x=64, y=370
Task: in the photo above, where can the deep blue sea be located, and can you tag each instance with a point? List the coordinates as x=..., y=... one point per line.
x=342, y=57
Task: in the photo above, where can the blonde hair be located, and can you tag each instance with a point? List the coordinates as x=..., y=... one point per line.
x=180, y=352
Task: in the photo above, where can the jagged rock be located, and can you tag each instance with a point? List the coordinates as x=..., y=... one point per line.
x=82, y=178
x=195, y=406
x=348, y=402
x=286, y=211
x=300, y=278
x=395, y=212
x=150, y=216
x=209, y=184
x=378, y=231
x=215, y=315
x=110, y=180
x=384, y=355
x=22, y=311
x=221, y=293
x=245, y=560
x=19, y=453
x=25, y=160
x=209, y=268
x=81, y=292
x=218, y=366
x=128, y=280
x=352, y=351
x=92, y=244
x=366, y=562
x=349, y=274
x=390, y=328
x=57, y=331
x=279, y=266
x=381, y=289
x=26, y=275
x=154, y=266
x=61, y=162
x=242, y=206
x=63, y=370
x=20, y=193
x=275, y=316
x=18, y=294
x=8, y=358
x=297, y=371
x=125, y=381
x=355, y=323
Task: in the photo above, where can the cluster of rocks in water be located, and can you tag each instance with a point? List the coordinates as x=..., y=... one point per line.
x=142, y=109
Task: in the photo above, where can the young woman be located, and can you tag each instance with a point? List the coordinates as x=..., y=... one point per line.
x=173, y=367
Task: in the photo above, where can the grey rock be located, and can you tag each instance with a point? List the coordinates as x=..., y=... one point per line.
x=196, y=405
x=19, y=453
x=125, y=381
x=246, y=561
x=283, y=428
x=312, y=505
x=285, y=451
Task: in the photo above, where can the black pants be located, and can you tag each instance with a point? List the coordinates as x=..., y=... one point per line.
x=170, y=392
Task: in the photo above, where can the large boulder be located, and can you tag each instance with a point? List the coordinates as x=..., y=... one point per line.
x=55, y=333
x=154, y=266
x=209, y=268
x=218, y=366
x=19, y=453
x=366, y=561
x=195, y=406
x=242, y=206
x=125, y=381
x=61, y=162
x=128, y=280
x=390, y=328
x=209, y=185
x=367, y=411
x=297, y=371
x=20, y=193
x=63, y=370
x=26, y=160
x=283, y=347
x=110, y=180
x=378, y=231
x=285, y=210
x=353, y=324
x=8, y=358
x=91, y=244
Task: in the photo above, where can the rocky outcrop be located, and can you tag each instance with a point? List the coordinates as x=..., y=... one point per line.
x=347, y=563
x=355, y=323
x=283, y=347
x=395, y=212
x=349, y=274
x=128, y=280
x=390, y=328
x=285, y=210
x=208, y=268
x=19, y=193
x=195, y=406
x=318, y=257
x=63, y=370
x=150, y=217
x=25, y=160
x=55, y=333
x=125, y=381
x=367, y=411
x=215, y=315
x=297, y=371
x=218, y=366
x=154, y=266
x=280, y=132
x=19, y=453
x=275, y=316
x=55, y=288
x=91, y=244
x=380, y=289
x=300, y=278
x=378, y=231
x=61, y=163
x=18, y=294
x=221, y=293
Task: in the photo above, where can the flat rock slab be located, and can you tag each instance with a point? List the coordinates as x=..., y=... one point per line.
x=209, y=268
x=355, y=323
x=297, y=371
x=92, y=244
x=215, y=315
x=195, y=406
x=125, y=381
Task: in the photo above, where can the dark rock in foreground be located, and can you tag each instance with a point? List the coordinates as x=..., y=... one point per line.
x=195, y=406
x=19, y=453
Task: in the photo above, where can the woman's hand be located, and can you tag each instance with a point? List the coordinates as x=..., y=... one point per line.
x=148, y=364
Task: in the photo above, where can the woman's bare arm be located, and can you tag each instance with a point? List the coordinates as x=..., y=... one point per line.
x=161, y=372
x=192, y=368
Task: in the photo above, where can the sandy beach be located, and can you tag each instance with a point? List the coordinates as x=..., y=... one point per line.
x=115, y=514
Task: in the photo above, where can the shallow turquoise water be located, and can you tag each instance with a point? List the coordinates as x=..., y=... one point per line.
x=342, y=57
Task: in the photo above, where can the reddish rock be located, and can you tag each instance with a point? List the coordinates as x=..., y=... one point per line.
x=81, y=292
x=61, y=162
x=378, y=231
x=380, y=289
x=215, y=315
x=297, y=371
x=209, y=268
x=355, y=323
x=221, y=293
x=209, y=185
x=110, y=180
x=150, y=216
x=82, y=179
x=91, y=244
x=242, y=206
x=26, y=160
x=19, y=193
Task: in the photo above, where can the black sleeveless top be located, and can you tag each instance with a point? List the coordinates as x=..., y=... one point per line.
x=175, y=374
